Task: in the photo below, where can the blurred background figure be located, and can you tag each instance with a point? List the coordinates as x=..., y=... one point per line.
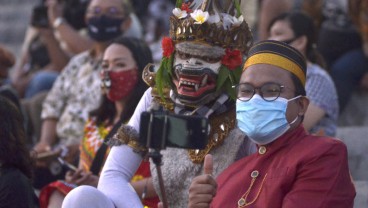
x=268, y=10
x=15, y=161
x=77, y=91
x=297, y=29
x=7, y=60
x=43, y=55
x=156, y=25
x=350, y=71
x=334, y=29
x=337, y=35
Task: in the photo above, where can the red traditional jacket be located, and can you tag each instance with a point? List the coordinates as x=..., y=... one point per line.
x=296, y=170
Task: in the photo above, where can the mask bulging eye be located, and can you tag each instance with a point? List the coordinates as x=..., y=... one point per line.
x=184, y=55
x=211, y=60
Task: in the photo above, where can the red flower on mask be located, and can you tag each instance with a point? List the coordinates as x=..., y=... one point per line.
x=185, y=7
x=232, y=59
x=167, y=47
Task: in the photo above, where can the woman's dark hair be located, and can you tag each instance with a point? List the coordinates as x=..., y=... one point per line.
x=301, y=24
x=13, y=149
x=142, y=56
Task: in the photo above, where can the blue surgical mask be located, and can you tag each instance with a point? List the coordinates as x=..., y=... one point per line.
x=263, y=121
x=104, y=28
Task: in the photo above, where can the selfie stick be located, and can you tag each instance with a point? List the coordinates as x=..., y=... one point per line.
x=157, y=156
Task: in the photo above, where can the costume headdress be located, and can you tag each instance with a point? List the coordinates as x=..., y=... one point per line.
x=278, y=54
x=199, y=23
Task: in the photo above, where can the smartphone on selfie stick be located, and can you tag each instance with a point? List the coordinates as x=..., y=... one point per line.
x=161, y=129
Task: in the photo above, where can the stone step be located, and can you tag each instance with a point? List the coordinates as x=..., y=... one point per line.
x=356, y=140
x=14, y=19
x=361, y=199
x=356, y=112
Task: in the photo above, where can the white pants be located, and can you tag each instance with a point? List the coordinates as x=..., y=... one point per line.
x=114, y=189
x=87, y=196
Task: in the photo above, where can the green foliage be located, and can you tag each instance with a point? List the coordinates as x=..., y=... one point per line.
x=178, y=3
x=237, y=7
x=226, y=79
x=222, y=77
x=164, y=75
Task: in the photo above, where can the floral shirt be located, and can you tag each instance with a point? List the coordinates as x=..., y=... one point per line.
x=74, y=94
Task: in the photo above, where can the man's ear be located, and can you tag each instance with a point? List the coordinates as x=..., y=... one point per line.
x=303, y=103
x=126, y=24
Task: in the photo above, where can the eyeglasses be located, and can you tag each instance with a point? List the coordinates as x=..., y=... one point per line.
x=268, y=92
x=110, y=11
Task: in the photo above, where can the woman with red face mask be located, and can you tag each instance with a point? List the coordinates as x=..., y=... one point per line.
x=122, y=85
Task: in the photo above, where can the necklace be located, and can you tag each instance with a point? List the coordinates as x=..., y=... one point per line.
x=221, y=126
x=242, y=202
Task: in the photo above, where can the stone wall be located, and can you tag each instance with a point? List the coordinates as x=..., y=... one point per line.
x=14, y=18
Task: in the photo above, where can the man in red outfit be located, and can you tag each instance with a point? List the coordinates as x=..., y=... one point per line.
x=290, y=168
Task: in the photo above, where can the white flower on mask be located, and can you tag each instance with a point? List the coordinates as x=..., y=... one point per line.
x=214, y=19
x=229, y=20
x=238, y=21
x=199, y=16
x=179, y=13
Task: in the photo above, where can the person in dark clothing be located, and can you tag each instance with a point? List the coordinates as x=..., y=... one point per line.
x=15, y=160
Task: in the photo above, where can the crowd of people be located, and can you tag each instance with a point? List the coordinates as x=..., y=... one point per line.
x=272, y=93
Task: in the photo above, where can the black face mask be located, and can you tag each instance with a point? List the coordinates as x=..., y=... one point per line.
x=104, y=28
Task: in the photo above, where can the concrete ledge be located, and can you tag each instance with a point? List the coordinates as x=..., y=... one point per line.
x=356, y=140
x=356, y=111
x=361, y=199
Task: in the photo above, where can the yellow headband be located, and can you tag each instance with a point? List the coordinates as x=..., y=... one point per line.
x=276, y=60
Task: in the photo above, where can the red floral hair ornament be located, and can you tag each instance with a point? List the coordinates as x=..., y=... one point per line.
x=167, y=47
x=232, y=59
x=230, y=71
x=185, y=7
x=164, y=72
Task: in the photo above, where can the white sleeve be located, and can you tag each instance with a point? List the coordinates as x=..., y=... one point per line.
x=142, y=106
x=114, y=182
x=122, y=163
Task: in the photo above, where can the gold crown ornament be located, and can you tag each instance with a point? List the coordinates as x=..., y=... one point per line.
x=196, y=24
x=216, y=22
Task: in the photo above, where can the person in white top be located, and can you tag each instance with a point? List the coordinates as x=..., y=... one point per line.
x=201, y=62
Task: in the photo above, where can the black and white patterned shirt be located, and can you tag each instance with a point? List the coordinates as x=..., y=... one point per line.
x=74, y=94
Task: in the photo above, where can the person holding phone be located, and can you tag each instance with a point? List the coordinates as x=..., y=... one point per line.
x=122, y=67
x=202, y=59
